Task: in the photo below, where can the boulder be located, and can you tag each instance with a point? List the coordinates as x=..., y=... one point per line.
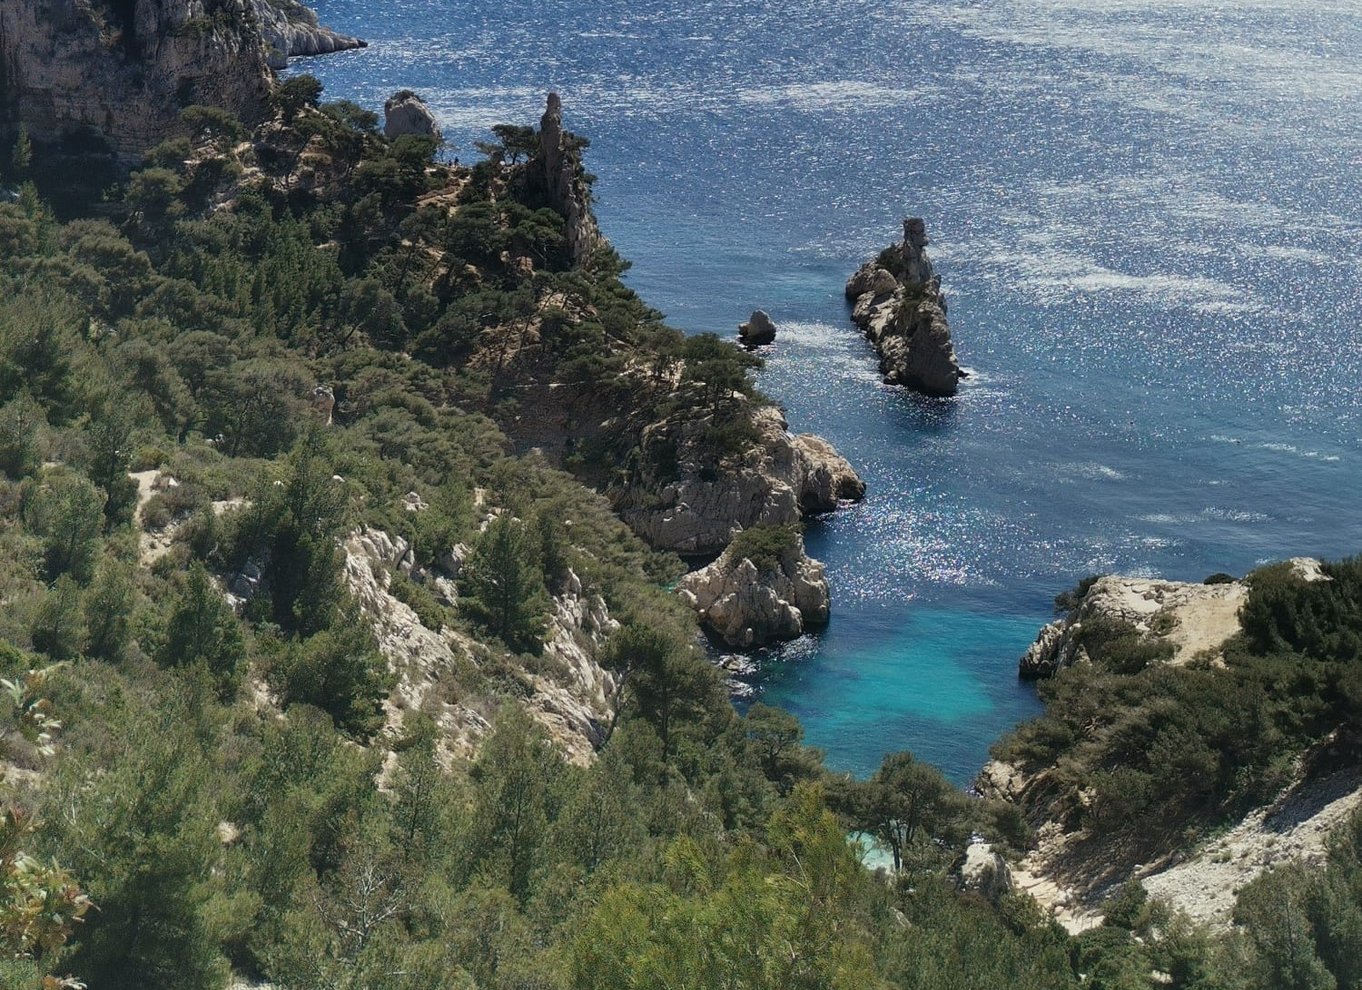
x=324, y=403
x=750, y=605
x=758, y=330
x=406, y=113
x=983, y=871
x=897, y=303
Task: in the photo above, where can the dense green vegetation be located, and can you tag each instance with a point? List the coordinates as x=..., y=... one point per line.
x=1143, y=751
x=197, y=786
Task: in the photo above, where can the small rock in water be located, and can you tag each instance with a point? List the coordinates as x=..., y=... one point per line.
x=758, y=330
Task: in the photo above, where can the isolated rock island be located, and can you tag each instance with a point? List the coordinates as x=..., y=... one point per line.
x=897, y=302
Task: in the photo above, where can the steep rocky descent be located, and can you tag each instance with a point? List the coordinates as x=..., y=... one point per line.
x=1071, y=870
x=776, y=480
x=406, y=113
x=558, y=173
x=898, y=304
x=290, y=29
x=573, y=708
x=751, y=603
x=121, y=72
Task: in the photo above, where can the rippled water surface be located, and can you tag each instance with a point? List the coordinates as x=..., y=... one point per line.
x=1147, y=219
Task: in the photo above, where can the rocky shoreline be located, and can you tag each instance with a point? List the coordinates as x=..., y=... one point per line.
x=291, y=30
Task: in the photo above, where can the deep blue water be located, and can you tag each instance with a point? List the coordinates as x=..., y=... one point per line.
x=1148, y=219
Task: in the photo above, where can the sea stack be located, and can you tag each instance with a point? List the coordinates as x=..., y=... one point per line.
x=757, y=331
x=751, y=598
x=897, y=302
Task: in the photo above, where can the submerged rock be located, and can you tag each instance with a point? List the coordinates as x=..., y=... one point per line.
x=406, y=113
x=897, y=303
x=751, y=604
x=758, y=330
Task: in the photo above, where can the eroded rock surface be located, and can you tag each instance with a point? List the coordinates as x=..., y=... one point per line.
x=121, y=72
x=779, y=479
x=1192, y=617
x=559, y=172
x=897, y=302
x=572, y=708
x=750, y=606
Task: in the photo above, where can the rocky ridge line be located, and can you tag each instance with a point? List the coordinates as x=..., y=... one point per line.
x=898, y=304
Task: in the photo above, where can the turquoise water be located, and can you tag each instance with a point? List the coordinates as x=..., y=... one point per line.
x=1147, y=221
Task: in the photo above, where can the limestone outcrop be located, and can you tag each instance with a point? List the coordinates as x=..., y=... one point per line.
x=289, y=30
x=984, y=871
x=557, y=171
x=897, y=302
x=751, y=604
x=116, y=75
x=696, y=511
x=1192, y=618
x=757, y=331
x=573, y=707
x=406, y=113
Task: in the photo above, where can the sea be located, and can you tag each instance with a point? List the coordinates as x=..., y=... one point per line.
x=1147, y=217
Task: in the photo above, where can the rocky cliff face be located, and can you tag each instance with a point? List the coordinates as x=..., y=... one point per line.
x=557, y=170
x=290, y=29
x=779, y=479
x=750, y=606
x=118, y=72
x=897, y=303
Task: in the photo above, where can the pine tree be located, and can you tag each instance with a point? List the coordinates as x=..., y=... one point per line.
x=503, y=584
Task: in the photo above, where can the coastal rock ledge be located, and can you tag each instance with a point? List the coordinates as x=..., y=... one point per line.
x=754, y=602
x=897, y=302
x=1190, y=618
x=291, y=29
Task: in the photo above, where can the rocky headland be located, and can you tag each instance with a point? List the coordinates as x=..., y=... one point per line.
x=679, y=501
x=1080, y=858
x=897, y=302
x=290, y=29
x=763, y=588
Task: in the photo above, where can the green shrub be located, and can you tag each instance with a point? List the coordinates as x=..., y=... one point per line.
x=766, y=546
